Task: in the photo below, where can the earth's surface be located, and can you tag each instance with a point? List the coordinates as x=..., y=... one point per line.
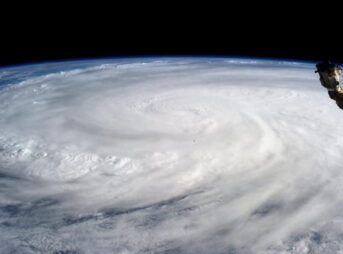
x=169, y=155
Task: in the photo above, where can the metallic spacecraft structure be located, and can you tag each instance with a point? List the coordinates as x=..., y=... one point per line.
x=329, y=76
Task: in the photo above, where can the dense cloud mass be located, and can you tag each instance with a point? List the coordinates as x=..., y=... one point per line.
x=169, y=155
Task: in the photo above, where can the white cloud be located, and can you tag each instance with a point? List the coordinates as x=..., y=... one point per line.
x=185, y=155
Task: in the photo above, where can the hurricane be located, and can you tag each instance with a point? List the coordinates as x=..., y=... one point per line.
x=169, y=155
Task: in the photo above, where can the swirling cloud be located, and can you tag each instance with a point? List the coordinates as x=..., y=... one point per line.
x=169, y=155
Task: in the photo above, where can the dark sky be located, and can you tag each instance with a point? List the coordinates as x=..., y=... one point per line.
x=65, y=32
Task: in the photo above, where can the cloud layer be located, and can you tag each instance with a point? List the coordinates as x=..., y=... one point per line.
x=179, y=155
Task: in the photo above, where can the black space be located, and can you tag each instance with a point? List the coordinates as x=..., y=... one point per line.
x=66, y=33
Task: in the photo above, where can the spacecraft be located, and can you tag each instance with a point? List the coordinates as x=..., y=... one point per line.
x=329, y=76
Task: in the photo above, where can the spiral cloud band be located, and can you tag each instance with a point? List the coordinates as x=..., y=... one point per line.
x=169, y=155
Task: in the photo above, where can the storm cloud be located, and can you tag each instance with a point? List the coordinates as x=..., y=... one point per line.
x=169, y=155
